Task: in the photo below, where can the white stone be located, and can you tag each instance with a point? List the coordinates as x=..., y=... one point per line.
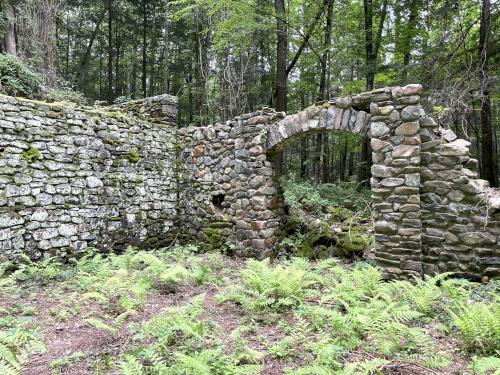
x=10, y=219
x=94, y=182
x=67, y=230
x=40, y=214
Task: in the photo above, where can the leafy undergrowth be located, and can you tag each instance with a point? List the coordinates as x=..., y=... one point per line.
x=326, y=220
x=180, y=312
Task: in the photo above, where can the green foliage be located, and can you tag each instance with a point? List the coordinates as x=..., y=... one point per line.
x=18, y=340
x=271, y=288
x=181, y=345
x=133, y=156
x=316, y=198
x=479, y=326
x=17, y=79
x=43, y=271
x=65, y=94
x=317, y=317
x=486, y=365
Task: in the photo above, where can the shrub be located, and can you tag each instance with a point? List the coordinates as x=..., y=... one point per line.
x=17, y=79
x=65, y=94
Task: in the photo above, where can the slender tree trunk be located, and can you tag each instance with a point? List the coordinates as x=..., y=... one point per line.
x=412, y=23
x=86, y=56
x=488, y=152
x=68, y=44
x=372, y=47
x=166, y=52
x=370, y=56
x=326, y=54
x=281, y=55
x=200, y=72
x=326, y=158
x=133, y=74
x=9, y=41
x=307, y=36
x=118, y=81
x=144, y=49
x=152, y=77
x=110, y=51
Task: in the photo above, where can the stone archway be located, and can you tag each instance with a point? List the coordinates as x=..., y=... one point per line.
x=419, y=209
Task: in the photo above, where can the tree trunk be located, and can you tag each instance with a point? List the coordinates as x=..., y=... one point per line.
x=165, y=53
x=372, y=45
x=152, y=74
x=326, y=54
x=110, y=51
x=370, y=57
x=307, y=36
x=86, y=57
x=326, y=158
x=408, y=36
x=9, y=40
x=133, y=74
x=488, y=152
x=144, y=49
x=281, y=56
x=201, y=67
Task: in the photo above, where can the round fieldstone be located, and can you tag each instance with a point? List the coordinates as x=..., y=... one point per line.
x=410, y=113
x=407, y=128
x=379, y=129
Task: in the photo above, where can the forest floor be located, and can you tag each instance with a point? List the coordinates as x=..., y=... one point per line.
x=183, y=312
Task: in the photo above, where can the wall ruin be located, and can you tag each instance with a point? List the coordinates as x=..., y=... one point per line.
x=108, y=179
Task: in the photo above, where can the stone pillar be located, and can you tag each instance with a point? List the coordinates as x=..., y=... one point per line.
x=395, y=182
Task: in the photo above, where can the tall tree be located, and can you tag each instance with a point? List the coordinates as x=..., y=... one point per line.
x=9, y=40
x=326, y=52
x=110, y=51
x=281, y=55
x=372, y=42
x=144, y=79
x=488, y=152
x=408, y=36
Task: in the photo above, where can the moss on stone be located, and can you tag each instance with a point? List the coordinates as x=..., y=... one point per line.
x=31, y=154
x=133, y=156
x=212, y=238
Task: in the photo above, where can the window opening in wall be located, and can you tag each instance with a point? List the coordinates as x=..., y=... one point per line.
x=217, y=200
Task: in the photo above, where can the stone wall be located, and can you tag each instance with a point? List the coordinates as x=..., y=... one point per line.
x=460, y=214
x=73, y=178
x=227, y=185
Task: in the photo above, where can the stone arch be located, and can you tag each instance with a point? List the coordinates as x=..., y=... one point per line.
x=328, y=116
x=421, y=210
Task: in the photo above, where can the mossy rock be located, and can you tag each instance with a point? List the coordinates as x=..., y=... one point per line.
x=352, y=244
x=133, y=156
x=31, y=154
x=339, y=213
x=212, y=239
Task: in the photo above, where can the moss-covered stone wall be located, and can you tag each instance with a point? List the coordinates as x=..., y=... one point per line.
x=77, y=178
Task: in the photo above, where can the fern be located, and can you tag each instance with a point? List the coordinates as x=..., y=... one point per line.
x=485, y=365
x=479, y=326
x=270, y=288
x=130, y=366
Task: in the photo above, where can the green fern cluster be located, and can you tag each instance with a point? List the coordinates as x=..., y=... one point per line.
x=40, y=272
x=179, y=344
x=265, y=288
x=479, y=326
x=17, y=341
